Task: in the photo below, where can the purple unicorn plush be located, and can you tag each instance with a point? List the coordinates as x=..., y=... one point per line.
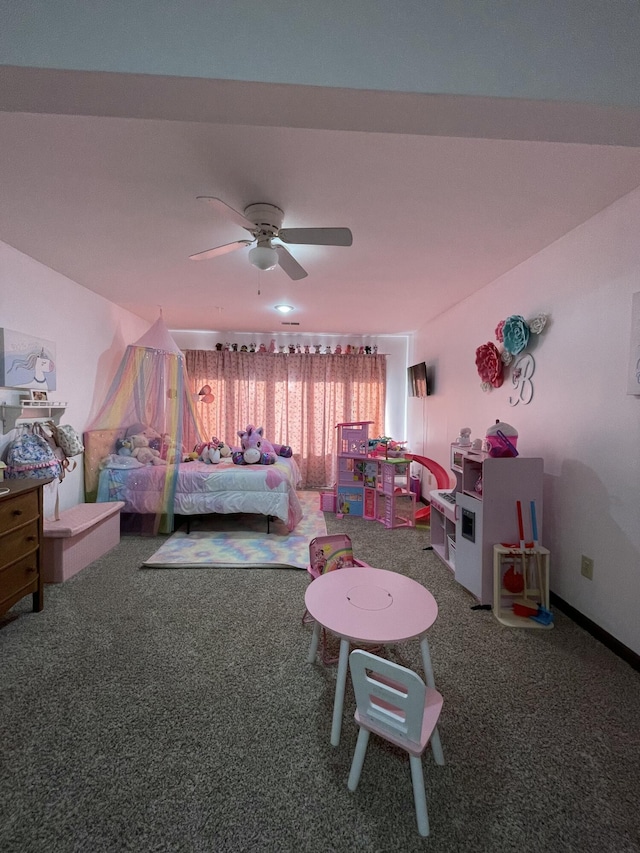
x=256, y=449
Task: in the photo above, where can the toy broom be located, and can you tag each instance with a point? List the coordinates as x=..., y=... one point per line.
x=536, y=543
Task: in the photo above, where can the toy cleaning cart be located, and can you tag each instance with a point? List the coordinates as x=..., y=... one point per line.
x=521, y=580
x=534, y=591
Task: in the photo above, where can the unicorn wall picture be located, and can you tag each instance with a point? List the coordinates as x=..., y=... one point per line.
x=26, y=361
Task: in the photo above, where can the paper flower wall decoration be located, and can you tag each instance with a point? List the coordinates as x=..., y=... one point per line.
x=205, y=394
x=514, y=333
x=489, y=365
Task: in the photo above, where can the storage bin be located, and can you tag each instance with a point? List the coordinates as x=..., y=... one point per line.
x=414, y=486
x=327, y=501
x=349, y=501
x=81, y=535
x=497, y=445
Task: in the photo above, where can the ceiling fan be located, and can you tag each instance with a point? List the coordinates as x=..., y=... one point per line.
x=264, y=223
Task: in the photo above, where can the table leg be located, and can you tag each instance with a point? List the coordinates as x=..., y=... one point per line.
x=338, y=702
x=313, y=649
x=436, y=743
x=426, y=662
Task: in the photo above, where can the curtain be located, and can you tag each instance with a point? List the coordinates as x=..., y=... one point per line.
x=297, y=398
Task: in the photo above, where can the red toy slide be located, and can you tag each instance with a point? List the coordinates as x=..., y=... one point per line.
x=442, y=478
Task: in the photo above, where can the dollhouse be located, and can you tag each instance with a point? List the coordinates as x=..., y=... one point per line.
x=369, y=485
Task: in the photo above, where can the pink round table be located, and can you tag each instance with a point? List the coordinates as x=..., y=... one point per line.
x=370, y=606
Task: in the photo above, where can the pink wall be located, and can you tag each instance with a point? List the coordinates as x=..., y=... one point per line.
x=581, y=420
x=90, y=334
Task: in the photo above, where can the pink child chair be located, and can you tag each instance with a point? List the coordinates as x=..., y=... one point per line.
x=394, y=703
x=328, y=554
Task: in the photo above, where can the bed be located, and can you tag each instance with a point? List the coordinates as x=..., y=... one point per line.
x=200, y=488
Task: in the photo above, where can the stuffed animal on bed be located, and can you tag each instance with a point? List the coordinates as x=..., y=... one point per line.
x=148, y=456
x=223, y=447
x=143, y=452
x=169, y=450
x=212, y=451
x=142, y=429
x=256, y=450
x=124, y=447
x=207, y=452
x=155, y=440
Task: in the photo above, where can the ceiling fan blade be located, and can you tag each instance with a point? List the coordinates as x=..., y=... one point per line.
x=289, y=264
x=220, y=250
x=317, y=236
x=223, y=208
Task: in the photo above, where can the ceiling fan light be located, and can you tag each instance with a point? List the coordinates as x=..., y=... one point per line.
x=263, y=257
x=284, y=309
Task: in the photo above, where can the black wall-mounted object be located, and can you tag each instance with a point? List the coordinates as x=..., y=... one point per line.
x=419, y=380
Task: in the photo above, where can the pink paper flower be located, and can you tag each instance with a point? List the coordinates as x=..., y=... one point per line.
x=498, y=332
x=489, y=364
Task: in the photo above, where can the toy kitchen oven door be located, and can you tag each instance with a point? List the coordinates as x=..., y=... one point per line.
x=469, y=544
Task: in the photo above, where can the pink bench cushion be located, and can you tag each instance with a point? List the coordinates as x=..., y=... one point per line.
x=80, y=518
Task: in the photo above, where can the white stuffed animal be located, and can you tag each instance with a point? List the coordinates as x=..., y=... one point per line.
x=464, y=439
x=210, y=454
x=213, y=451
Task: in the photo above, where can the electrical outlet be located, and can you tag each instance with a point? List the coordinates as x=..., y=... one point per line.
x=586, y=567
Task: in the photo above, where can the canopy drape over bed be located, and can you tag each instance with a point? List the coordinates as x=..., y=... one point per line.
x=151, y=389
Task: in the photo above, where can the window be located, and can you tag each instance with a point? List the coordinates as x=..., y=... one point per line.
x=297, y=398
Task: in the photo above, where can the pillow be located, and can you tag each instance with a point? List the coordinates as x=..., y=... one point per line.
x=114, y=460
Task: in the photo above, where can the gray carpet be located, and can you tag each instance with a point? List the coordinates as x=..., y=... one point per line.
x=175, y=711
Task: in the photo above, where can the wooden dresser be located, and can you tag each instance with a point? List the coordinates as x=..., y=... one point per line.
x=20, y=542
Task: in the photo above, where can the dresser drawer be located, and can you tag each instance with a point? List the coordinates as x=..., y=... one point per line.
x=21, y=543
x=22, y=575
x=19, y=509
x=18, y=542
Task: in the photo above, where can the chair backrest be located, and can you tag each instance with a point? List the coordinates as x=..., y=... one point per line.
x=327, y=553
x=388, y=696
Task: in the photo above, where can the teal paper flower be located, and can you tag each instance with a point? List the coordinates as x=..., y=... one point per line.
x=515, y=334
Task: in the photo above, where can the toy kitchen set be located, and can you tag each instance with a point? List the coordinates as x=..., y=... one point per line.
x=492, y=482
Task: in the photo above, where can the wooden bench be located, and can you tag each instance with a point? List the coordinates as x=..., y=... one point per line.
x=81, y=535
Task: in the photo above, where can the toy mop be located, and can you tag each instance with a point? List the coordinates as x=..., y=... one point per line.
x=524, y=606
x=544, y=616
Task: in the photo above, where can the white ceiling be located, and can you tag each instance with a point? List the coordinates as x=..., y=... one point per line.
x=102, y=188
